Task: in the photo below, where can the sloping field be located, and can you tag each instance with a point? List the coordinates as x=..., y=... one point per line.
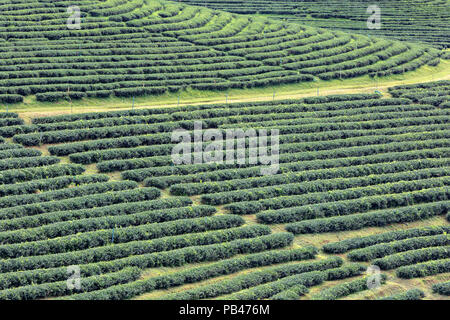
x=406, y=20
x=142, y=47
x=362, y=180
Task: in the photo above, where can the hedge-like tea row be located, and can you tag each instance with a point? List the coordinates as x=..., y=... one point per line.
x=362, y=242
x=337, y=58
x=424, y=269
x=243, y=172
x=22, y=175
x=102, y=237
x=412, y=257
x=347, y=207
x=142, y=161
x=19, y=153
x=345, y=289
x=266, y=290
x=103, y=122
x=418, y=96
x=138, y=247
x=56, y=96
x=11, y=98
x=109, y=222
x=89, y=201
x=93, y=226
x=382, y=250
x=142, y=152
x=150, y=260
x=178, y=257
x=187, y=174
x=303, y=198
x=89, y=189
x=413, y=294
x=291, y=108
x=63, y=218
x=268, y=119
x=4, y=122
x=346, y=271
x=398, y=91
x=52, y=137
x=436, y=101
x=4, y=115
x=292, y=168
x=375, y=115
x=9, y=146
x=142, y=140
x=296, y=188
x=21, y=163
x=60, y=288
x=190, y=275
x=370, y=219
x=309, y=272
x=50, y=184
x=89, y=157
x=400, y=180
x=168, y=110
x=125, y=142
x=367, y=125
x=12, y=130
x=292, y=293
x=442, y=288
x=292, y=146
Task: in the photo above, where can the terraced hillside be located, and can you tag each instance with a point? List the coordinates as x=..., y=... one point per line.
x=363, y=180
x=410, y=20
x=141, y=47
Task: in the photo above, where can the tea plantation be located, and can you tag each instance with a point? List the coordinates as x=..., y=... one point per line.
x=124, y=48
x=363, y=181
